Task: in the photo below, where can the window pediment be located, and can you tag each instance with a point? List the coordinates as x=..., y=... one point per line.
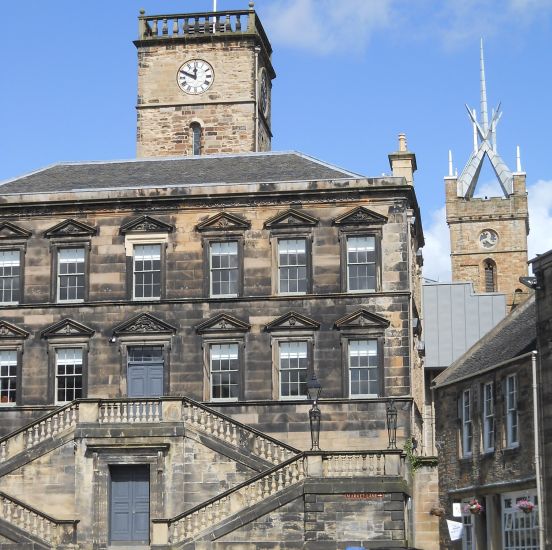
x=11, y=231
x=144, y=323
x=223, y=322
x=7, y=330
x=224, y=221
x=360, y=216
x=146, y=224
x=291, y=218
x=67, y=327
x=292, y=321
x=361, y=318
x=71, y=228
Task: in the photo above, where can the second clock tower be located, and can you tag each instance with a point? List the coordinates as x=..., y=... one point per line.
x=204, y=84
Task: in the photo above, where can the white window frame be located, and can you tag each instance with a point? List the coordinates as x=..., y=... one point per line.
x=350, y=238
x=212, y=270
x=134, y=272
x=6, y=263
x=9, y=362
x=56, y=376
x=469, y=527
x=60, y=251
x=279, y=367
x=520, y=525
x=211, y=345
x=489, y=431
x=371, y=342
x=467, y=423
x=281, y=267
x=512, y=416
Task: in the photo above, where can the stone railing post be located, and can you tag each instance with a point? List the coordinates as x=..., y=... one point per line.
x=141, y=25
x=89, y=412
x=171, y=410
x=314, y=466
x=160, y=532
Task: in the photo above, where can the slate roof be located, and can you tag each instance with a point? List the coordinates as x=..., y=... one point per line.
x=175, y=172
x=515, y=335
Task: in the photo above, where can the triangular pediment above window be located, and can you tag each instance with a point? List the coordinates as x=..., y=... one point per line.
x=223, y=221
x=11, y=231
x=292, y=321
x=146, y=224
x=360, y=216
x=71, y=228
x=7, y=330
x=144, y=323
x=362, y=318
x=223, y=322
x=67, y=327
x=291, y=218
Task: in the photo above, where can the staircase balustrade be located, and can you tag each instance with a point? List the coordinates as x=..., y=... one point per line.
x=40, y=525
x=130, y=412
x=200, y=518
x=372, y=464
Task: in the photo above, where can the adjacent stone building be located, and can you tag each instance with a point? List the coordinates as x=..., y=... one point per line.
x=161, y=319
x=485, y=435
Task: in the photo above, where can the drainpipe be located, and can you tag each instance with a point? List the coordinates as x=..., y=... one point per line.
x=257, y=50
x=537, y=449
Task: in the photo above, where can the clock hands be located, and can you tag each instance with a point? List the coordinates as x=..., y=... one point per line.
x=194, y=76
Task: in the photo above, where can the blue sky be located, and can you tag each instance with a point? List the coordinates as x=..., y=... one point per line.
x=352, y=74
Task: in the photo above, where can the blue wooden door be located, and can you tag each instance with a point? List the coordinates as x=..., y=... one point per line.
x=145, y=371
x=129, y=504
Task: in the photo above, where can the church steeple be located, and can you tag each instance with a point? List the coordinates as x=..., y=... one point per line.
x=484, y=144
x=488, y=236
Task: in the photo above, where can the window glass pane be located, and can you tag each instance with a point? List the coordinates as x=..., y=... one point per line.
x=293, y=368
x=70, y=274
x=9, y=276
x=68, y=374
x=8, y=376
x=224, y=268
x=196, y=137
x=361, y=263
x=224, y=362
x=363, y=368
x=147, y=271
x=519, y=526
x=292, y=265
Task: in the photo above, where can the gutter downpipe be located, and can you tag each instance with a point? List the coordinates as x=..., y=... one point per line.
x=537, y=449
x=257, y=50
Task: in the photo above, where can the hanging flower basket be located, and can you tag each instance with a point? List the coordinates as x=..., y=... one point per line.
x=526, y=506
x=474, y=507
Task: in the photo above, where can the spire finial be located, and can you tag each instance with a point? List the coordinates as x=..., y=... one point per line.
x=484, y=112
x=518, y=159
x=402, y=142
x=450, y=173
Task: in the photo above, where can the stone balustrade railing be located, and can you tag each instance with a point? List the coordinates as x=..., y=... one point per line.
x=206, y=420
x=53, y=424
x=142, y=411
x=196, y=520
x=41, y=526
x=192, y=25
x=361, y=463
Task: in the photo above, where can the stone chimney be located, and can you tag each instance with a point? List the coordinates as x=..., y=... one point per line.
x=403, y=161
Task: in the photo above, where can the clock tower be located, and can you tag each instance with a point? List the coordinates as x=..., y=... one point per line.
x=204, y=84
x=488, y=236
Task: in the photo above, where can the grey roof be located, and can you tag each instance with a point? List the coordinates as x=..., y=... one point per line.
x=175, y=172
x=515, y=335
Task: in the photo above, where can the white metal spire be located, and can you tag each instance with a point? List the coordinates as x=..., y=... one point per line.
x=484, y=110
x=450, y=172
x=518, y=160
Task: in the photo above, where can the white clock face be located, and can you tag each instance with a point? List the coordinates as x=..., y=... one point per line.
x=488, y=238
x=195, y=76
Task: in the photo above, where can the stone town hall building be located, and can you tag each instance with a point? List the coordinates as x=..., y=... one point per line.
x=160, y=319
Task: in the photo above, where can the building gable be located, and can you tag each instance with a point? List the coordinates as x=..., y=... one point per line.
x=292, y=321
x=291, y=218
x=67, y=327
x=223, y=322
x=360, y=216
x=11, y=231
x=146, y=224
x=144, y=323
x=7, y=330
x=223, y=221
x=361, y=318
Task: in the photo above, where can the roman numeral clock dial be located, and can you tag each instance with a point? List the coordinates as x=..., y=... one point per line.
x=195, y=76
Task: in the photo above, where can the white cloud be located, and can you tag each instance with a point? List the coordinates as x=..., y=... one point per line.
x=325, y=26
x=437, y=247
x=540, y=217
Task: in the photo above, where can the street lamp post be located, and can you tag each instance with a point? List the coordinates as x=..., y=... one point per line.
x=391, y=416
x=314, y=389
